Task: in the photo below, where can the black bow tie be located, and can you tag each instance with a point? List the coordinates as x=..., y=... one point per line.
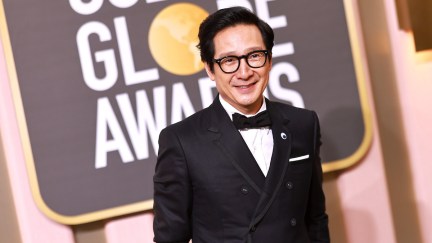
x=261, y=119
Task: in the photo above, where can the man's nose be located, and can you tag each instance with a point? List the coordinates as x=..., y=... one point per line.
x=244, y=70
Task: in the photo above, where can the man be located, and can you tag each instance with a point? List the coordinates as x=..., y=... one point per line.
x=218, y=180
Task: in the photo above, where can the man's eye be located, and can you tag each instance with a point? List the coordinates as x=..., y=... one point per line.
x=229, y=60
x=255, y=55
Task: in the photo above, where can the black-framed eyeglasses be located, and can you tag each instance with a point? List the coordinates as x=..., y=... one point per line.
x=231, y=64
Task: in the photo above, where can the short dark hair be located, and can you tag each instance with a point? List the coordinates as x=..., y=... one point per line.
x=224, y=18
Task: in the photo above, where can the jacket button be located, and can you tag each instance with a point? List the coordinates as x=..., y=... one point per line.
x=253, y=228
x=293, y=222
x=244, y=190
x=289, y=185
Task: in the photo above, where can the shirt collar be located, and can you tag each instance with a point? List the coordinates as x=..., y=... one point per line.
x=231, y=110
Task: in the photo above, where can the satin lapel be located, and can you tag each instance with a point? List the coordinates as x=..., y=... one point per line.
x=279, y=161
x=231, y=143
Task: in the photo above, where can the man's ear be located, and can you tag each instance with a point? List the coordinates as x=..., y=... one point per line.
x=209, y=72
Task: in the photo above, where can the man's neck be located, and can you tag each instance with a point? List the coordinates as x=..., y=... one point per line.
x=230, y=109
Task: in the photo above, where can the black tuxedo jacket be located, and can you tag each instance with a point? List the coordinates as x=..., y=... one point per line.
x=209, y=188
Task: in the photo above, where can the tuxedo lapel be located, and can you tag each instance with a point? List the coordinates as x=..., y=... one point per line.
x=281, y=149
x=279, y=161
x=228, y=139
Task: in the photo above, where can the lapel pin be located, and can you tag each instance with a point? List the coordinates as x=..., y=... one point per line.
x=283, y=136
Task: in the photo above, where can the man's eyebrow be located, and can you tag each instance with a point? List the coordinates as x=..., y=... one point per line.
x=246, y=51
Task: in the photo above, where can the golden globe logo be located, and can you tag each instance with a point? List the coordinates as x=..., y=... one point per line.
x=173, y=37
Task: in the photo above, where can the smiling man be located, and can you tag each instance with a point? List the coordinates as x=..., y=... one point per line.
x=245, y=169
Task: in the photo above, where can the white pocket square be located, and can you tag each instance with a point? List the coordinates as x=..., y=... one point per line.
x=299, y=158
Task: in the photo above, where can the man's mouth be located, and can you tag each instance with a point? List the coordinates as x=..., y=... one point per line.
x=245, y=86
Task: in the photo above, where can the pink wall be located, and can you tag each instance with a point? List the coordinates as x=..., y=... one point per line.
x=414, y=77
x=362, y=189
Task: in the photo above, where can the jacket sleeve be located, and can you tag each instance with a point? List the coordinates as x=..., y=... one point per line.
x=172, y=192
x=316, y=217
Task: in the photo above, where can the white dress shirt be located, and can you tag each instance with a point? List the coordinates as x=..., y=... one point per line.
x=259, y=140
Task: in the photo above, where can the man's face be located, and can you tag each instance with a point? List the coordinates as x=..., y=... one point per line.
x=242, y=89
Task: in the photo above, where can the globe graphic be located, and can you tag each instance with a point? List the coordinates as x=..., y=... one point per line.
x=173, y=36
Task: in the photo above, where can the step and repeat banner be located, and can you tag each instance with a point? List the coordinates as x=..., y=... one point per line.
x=95, y=81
